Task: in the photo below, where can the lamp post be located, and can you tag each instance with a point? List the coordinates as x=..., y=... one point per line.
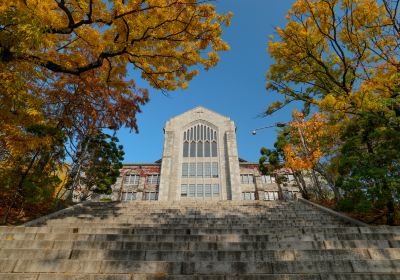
x=278, y=124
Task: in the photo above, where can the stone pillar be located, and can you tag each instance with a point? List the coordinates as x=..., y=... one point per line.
x=233, y=164
x=166, y=166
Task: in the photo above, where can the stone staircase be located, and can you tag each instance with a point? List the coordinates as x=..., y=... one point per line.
x=198, y=240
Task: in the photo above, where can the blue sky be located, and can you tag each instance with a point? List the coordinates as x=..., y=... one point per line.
x=234, y=88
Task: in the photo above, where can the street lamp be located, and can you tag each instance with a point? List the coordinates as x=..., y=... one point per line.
x=278, y=124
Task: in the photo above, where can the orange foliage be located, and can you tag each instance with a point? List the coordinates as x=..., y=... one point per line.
x=304, y=150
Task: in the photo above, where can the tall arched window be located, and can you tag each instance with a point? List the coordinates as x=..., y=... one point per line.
x=200, y=141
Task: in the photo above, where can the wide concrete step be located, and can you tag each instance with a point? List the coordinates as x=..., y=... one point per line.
x=106, y=228
x=285, y=224
x=198, y=246
x=224, y=220
x=197, y=230
x=200, y=267
x=138, y=276
x=198, y=237
x=211, y=213
x=195, y=256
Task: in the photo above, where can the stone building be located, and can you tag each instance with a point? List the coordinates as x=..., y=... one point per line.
x=200, y=161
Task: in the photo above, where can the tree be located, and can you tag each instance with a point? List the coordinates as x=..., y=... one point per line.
x=341, y=58
x=97, y=164
x=343, y=53
x=161, y=38
x=309, y=148
x=273, y=162
x=369, y=166
x=31, y=178
x=66, y=65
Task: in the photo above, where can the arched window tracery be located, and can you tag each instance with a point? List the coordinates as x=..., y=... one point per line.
x=200, y=141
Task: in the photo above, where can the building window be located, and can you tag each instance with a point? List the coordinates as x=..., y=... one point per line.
x=151, y=196
x=267, y=179
x=247, y=178
x=185, y=170
x=207, y=169
x=200, y=190
x=199, y=169
x=131, y=179
x=193, y=149
x=207, y=149
x=289, y=195
x=192, y=169
x=214, y=149
x=184, y=190
x=290, y=177
x=200, y=149
x=153, y=179
x=192, y=190
x=214, y=170
x=248, y=196
x=271, y=195
x=200, y=141
x=185, y=149
x=215, y=190
x=128, y=196
x=207, y=190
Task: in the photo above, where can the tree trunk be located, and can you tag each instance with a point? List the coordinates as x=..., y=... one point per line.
x=19, y=189
x=301, y=184
x=390, y=217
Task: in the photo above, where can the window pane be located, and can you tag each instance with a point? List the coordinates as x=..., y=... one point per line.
x=215, y=190
x=200, y=149
x=191, y=134
x=208, y=134
x=201, y=132
x=131, y=179
x=214, y=170
x=184, y=190
x=251, y=179
x=152, y=196
x=199, y=191
x=185, y=169
x=192, y=170
x=244, y=178
x=192, y=190
x=276, y=196
x=185, y=149
x=199, y=169
x=266, y=179
x=194, y=133
x=153, y=179
x=184, y=135
x=207, y=190
x=214, y=149
x=207, y=169
x=193, y=149
x=207, y=149
x=146, y=196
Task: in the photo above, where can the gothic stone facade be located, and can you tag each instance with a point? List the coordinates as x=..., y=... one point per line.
x=200, y=161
